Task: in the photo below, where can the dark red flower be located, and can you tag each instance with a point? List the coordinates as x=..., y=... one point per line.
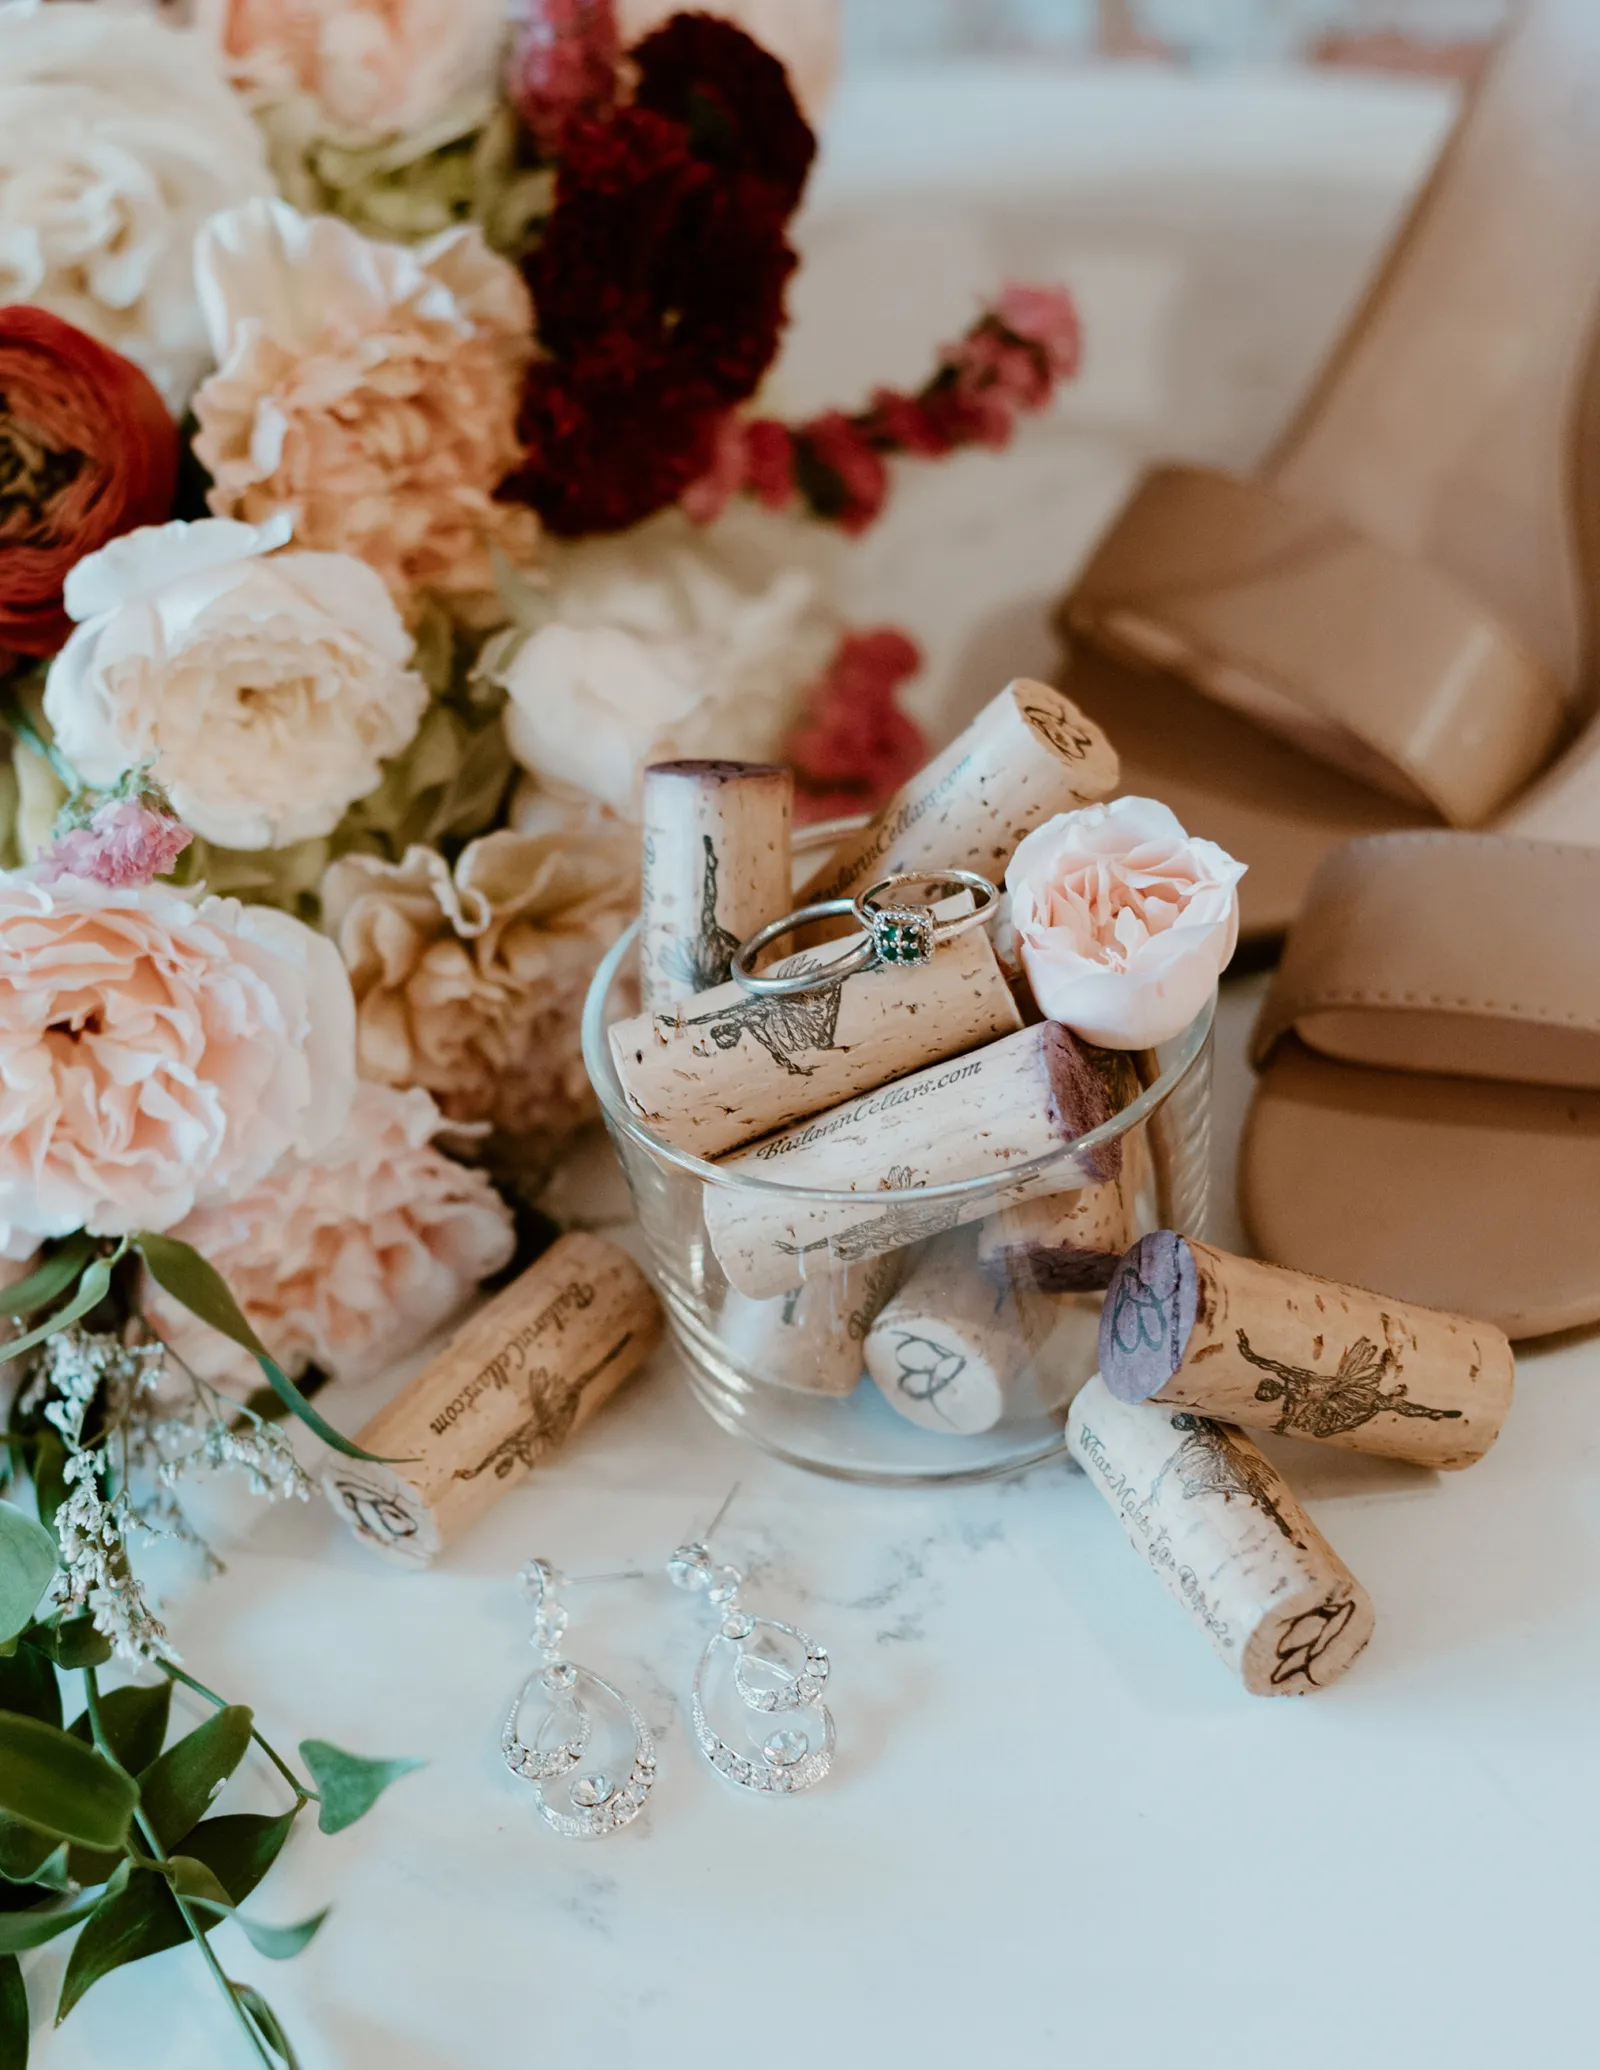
x=599, y=459
x=839, y=471
x=87, y=450
x=733, y=98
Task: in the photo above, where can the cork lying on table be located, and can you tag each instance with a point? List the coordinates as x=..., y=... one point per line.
x=977, y=1117
x=1030, y=753
x=716, y=866
x=1223, y=1531
x=513, y=1383
x=729, y=1065
x=1304, y=1357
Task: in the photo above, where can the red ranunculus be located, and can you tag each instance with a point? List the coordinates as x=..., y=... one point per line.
x=87, y=450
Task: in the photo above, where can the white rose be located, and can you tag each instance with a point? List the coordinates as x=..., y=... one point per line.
x=1125, y=922
x=265, y=688
x=656, y=649
x=118, y=137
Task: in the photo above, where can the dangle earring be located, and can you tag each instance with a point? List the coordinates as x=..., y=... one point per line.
x=799, y=1751
x=562, y=1737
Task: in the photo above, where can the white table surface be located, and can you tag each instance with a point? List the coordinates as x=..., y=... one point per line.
x=1057, y=1831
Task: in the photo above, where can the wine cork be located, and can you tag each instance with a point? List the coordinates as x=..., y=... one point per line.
x=812, y=1338
x=1015, y=1100
x=1072, y=1243
x=730, y=1065
x=716, y=867
x=513, y=1383
x=1227, y=1537
x=1028, y=754
x=950, y=1351
x=1284, y=1351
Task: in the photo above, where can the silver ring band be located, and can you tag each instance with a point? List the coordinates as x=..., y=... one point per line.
x=893, y=936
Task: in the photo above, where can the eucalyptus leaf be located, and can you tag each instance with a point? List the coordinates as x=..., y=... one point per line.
x=49, y=1469
x=347, y=1784
x=92, y=1289
x=134, y=1720
x=52, y=1781
x=52, y=1277
x=79, y=1644
x=27, y=1567
x=267, y=2020
x=179, y=1787
x=144, y=1920
x=28, y=1684
x=20, y=1931
x=277, y=1943
x=14, y=2022
x=179, y=1268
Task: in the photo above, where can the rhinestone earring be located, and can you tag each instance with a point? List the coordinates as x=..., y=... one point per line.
x=799, y=1752
x=565, y=1727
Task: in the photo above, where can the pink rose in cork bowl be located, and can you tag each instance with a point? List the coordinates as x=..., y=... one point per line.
x=1124, y=922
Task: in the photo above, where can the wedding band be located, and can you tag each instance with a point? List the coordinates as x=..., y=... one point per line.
x=892, y=935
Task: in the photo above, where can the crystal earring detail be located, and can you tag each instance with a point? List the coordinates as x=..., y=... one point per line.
x=799, y=1751
x=565, y=1729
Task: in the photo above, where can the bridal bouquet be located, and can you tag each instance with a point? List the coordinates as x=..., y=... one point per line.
x=385, y=479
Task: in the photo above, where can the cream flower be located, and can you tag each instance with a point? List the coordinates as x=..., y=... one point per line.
x=1124, y=921
x=265, y=689
x=471, y=982
x=368, y=389
x=155, y=1053
x=118, y=137
x=348, y=1259
x=657, y=647
x=371, y=67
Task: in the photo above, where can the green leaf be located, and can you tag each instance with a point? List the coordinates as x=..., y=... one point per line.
x=143, y=1919
x=14, y=2023
x=188, y=1278
x=23, y=1930
x=193, y=1878
x=24, y=1852
x=348, y=1785
x=80, y=1645
x=134, y=1720
x=178, y=1788
x=91, y=1292
x=28, y=1684
x=52, y=1781
x=41, y=1873
x=267, y=2020
x=48, y=1279
x=49, y=1469
x=27, y=1568
x=277, y=1943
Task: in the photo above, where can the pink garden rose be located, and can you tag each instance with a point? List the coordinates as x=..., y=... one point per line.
x=1124, y=921
x=155, y=1053
x=124, y=843
x=348, y=1259
x=370, y=67
x=367, y=389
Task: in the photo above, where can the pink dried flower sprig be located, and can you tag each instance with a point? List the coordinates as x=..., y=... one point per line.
x=124, y=843
x=1010, y=361
x=857, y=747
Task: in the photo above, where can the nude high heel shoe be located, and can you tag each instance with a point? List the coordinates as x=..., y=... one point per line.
x=1389, y=626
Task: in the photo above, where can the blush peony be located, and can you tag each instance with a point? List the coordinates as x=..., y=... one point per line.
x=368, y=67
x=118, y=137
x=348, y=1259
x=156, y=1054
x=1124, y=921
x=369, y=390
x=263, y=689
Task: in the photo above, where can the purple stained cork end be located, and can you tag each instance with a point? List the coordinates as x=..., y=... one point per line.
x=1148, y=1317
x=1081, y=1099
x=715, y=772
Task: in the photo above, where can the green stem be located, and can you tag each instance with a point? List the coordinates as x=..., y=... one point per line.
x=304, y=1794
x=196, y=1932
x=24, y=729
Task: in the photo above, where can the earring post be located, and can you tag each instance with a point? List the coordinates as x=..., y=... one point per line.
x=727, y=1504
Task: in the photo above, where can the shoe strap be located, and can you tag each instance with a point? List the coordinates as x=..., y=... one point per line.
x=1360, y=656
x=1466, y=955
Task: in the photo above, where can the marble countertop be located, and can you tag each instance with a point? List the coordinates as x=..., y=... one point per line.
x=1057, y=1830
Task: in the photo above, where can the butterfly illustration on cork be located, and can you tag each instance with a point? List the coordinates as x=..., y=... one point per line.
x=1327, y=1405
x=1209, y=1463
